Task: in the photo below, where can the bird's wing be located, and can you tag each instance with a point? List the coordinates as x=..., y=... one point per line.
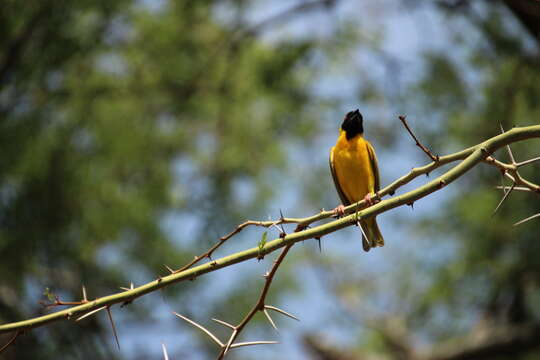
x=374, y=166
x=341, y=194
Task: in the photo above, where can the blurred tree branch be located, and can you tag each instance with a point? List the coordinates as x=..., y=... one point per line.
x=16, y=47
x=470, y=157
x=511, y=341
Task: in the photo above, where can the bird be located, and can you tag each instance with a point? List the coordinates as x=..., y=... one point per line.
x=355, y=171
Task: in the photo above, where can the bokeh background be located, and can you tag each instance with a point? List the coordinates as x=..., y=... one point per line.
x=135, y=133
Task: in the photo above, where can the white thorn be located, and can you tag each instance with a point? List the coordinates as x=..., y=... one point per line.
x=223, y=323
x=253, y=343
x=90, y=313
x=528, y=161
x=282, y=312
x=165, y=355
x=202, y=328
x=270, y=319
x=503, y=198
x=229, y=343
x=527, y=219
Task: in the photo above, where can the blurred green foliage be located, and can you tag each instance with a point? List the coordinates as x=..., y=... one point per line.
x=115, y=114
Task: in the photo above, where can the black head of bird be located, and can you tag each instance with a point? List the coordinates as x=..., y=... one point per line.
x=353, y=124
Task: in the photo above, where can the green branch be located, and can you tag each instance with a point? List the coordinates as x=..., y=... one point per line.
x=470, y=156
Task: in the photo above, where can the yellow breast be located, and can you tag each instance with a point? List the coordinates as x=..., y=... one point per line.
x=353, y=167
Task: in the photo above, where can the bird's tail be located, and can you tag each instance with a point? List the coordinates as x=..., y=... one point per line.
x=372, y=232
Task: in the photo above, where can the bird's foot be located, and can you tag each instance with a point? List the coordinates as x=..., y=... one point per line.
x=339, y=210
x=370, y=199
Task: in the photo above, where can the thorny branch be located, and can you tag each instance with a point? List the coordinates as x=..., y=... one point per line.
x=209, y=252
x=469, y=157
x=260, y=304
x=418, y=143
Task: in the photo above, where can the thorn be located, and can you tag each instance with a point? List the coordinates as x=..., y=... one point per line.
x=11, y=341
x=229, y=343
x=427, y=174
x=277, y=227
x=366, y=248
x=270, y=320
x=113, y=327
x=319, y=240
x=200, y=327
x=527, y=219
x=503, y=198
x=391, y=193
x=282, y=234
x=237, y=345
x=281, y=311
x=527, y=162
x=165, y=355
x=411, y=204
x=516, y=188
x=442, y=183
x=224, y=323
x=90, y=313
x=508, y=148
x=85, y=299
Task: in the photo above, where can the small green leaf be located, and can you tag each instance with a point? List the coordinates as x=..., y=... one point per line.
x=48, y=294
x=263, y=240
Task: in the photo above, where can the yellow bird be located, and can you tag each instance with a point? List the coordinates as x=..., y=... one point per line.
x=356, y=175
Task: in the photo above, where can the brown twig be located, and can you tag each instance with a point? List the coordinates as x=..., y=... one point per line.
x=424, y=149
x=11, y=341
x=260, y=304
x=58, y=302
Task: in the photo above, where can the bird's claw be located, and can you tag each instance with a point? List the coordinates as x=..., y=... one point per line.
x=339, y=210
x=370, y=200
